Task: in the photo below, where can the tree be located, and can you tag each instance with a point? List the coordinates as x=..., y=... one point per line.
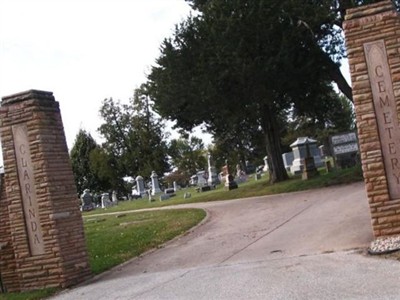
x=334, y=117
x=133, y=135
x=85, y=177
x=329, y=16
x=242, y=62
x=103, y=165
x=188, y=155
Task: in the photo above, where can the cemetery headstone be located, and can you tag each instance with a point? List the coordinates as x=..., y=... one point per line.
x=148, y=193
x=164, y=197
x=105, y=200
x=309, y=169
x=155, y=185
x=87, y=201
x=170, y=192
x=114, y=198
x=240, y=174
x=212, y=173
x=230, y=183
x=140, y=186
x=176, y=187
x=199, y=179
x=300, y=148
x=288, y=158
x=373, y=43
x=266, y=166
x=344, y=149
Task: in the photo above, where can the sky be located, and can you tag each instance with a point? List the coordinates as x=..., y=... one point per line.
x=83, y=51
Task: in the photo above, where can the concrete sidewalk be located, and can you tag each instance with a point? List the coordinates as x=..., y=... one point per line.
x=289, y=246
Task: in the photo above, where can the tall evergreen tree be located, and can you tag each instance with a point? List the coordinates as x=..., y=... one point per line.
x=85, y=177
x=241, y=62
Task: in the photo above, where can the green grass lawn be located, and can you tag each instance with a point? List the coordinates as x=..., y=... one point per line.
x=251, y=188
x=114, y=239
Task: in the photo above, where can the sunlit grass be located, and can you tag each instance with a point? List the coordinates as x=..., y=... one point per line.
x=251, y=188
x=112, y=240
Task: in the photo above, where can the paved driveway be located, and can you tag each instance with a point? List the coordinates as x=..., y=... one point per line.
x=304, y=245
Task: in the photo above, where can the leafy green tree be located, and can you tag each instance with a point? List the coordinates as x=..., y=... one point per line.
x=103, y=165
x=85, y=177
x=188, y=155
x=134, y=137
x=242, y=62
x=334, y=117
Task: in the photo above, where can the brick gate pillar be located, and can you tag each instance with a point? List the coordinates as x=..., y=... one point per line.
x=373, y=46
x=41, y=238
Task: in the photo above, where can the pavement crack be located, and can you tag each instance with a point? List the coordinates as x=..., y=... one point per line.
x=267, y=233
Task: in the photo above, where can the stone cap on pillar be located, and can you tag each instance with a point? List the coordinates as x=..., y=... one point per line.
x=28, y=95
x=303, y=141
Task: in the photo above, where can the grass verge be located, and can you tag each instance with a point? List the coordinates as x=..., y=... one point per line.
x=112, y=240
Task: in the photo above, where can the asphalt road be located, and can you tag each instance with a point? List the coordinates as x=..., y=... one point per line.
x=305, y=245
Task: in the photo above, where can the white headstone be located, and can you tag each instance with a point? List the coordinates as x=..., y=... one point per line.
x=155, y=185
x=140, y=186
x=212, y=172
x=176, y=188
x=114, y=197
x=105, y=201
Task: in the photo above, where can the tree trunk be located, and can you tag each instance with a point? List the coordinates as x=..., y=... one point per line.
x=336, y=75
x=273, y=145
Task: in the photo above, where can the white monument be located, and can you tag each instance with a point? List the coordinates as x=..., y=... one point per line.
x=212, y=172
x=155, y=185
x=140, y=186
x=300, y=152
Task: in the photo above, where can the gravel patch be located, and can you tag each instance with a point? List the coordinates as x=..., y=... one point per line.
x=384, y=245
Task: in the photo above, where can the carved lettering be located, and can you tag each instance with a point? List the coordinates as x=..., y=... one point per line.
x=381, y=86
x=389, y=130
x=386, y=112
x=397, y=176
x=386, y=117
x=384, y=101
x=32, y=213
x=37, y=240
x=34, y=226
x=392, y=148
x=22, y=149
x=395, y=163
x=28, y=190
x=24, y=162
x=26, y=175
x=378, y=71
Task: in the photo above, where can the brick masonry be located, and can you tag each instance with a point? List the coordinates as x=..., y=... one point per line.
x=42, y=241
x=373, y=45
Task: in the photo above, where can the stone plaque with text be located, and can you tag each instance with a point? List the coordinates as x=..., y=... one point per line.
x=28, y=190
x=386, y=113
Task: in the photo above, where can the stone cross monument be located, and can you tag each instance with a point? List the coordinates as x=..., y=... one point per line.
x=373, y=46
x=42, y=238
